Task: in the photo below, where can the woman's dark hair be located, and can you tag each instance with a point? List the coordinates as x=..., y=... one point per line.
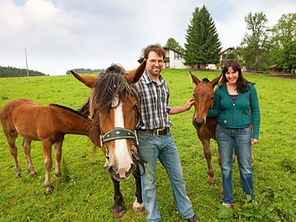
x=242, y=83
x=155, y=48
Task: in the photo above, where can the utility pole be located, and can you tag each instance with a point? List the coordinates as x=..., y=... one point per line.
x=27, y=62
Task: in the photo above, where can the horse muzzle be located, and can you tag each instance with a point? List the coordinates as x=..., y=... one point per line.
x=198, y=124
x=121, y=174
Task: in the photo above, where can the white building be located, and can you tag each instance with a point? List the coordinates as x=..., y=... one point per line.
x=174, y=59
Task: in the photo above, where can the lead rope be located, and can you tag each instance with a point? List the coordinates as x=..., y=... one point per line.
x=139, y=162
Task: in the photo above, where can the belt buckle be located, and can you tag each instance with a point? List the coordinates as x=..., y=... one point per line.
x=158, y=131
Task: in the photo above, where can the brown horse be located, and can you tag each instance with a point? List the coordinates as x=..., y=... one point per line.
x=205, y=127
x=113, y=108
x=47, y=123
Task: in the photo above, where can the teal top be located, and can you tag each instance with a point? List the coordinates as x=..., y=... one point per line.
x=239, y=114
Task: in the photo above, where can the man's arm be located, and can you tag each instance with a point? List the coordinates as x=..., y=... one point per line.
x=180, y=109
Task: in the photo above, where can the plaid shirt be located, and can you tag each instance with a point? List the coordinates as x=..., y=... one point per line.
x=154, y=106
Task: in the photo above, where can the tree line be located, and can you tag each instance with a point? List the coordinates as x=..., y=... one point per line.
x=16, y=72
x=83, y=70
x=261, y=49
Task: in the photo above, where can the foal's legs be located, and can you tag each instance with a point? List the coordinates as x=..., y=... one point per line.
x=208, y=156
x=138, y=205
x=58, y=151
x=47, y=152
x=27, y=150
x=118, y=207
x=11, y=136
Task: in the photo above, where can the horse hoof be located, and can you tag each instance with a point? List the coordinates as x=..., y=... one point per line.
x=137, y=207
x=210, y=181
x=59, y=179
x=118, y=214
x=48, y=191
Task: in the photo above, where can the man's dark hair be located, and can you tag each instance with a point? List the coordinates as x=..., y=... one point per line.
x=155, y=48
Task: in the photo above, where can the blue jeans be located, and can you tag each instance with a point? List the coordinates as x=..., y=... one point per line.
x=240, y=141
x=150, y=149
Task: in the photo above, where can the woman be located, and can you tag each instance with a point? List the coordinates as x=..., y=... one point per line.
x=236, y=106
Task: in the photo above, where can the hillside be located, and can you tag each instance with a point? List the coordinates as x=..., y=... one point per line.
x=83, y=70
x=16, y=72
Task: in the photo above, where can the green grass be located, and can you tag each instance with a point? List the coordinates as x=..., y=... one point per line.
x=86, y=191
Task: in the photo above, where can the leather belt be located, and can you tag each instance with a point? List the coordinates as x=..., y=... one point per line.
x=157, y=132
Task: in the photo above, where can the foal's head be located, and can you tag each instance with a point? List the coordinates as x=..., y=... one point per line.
x=113, y=108
x=203, y=94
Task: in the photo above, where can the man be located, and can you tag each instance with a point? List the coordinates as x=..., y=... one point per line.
x=155, y=139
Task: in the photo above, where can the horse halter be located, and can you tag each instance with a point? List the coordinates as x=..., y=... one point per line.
x=118, y=133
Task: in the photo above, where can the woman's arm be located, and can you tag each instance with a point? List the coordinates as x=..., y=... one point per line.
x=254, y=103
x=214, y=111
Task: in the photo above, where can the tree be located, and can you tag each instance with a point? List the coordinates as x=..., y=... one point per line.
x=16, y=72
x=233, y=54
x=202, y=42
x=174, y=45
x=283, y=40
x=255, y=45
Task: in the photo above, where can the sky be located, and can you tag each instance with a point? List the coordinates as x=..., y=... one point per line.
x=60, y=35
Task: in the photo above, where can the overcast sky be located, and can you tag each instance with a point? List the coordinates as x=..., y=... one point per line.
x=64, y=34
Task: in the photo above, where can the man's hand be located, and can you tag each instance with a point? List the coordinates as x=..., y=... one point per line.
x=189, y=103
x=135, y=151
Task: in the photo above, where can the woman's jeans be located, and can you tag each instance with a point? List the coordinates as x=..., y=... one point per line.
x=151, y=148
x=240, y=141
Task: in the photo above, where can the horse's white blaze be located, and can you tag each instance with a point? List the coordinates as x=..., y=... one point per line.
x=122, y=155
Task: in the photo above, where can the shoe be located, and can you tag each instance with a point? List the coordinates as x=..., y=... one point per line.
x=227, y=205
x=193, y=219
x=251, y=200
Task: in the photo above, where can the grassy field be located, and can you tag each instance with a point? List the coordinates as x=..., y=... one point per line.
x=86, y=191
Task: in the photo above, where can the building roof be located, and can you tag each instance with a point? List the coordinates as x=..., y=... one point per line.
x=225, y=50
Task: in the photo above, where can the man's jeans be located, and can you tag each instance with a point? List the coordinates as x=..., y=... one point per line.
x=150, y=149
x=240, y=141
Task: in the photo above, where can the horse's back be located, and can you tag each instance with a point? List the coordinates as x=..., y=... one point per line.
x=49, y=121
x=7, y=111
x=24, y=117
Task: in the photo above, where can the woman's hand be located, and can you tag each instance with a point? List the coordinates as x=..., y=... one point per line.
x=254, y=141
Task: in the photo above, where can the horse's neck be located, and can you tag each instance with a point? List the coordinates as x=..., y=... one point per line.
x=208, y=130
x=73, y=123
x=81, y=128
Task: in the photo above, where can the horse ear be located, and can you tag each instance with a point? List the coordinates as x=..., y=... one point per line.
x=89, y=81
x=195, y=80
x=216, y=80
x=134, y=75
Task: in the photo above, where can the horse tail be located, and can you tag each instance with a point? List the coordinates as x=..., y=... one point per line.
x=95, y=149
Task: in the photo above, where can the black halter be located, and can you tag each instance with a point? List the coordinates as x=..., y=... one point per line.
x=118, y=133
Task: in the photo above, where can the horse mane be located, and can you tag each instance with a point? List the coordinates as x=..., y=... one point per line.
x=84, y=110
x=205, y=80
x=69, y=109
x=110, y=83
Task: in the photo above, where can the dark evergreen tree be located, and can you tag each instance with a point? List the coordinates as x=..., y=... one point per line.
x=202, y=42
